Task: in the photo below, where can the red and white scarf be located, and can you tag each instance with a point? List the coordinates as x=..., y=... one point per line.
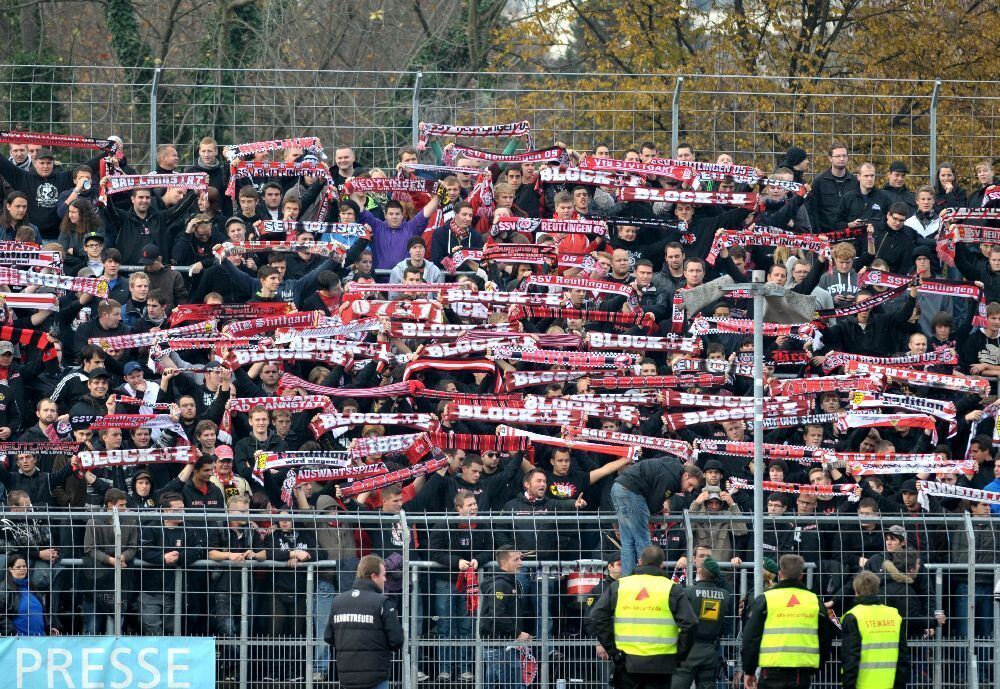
x=234, y=152
x=311, y=474
x=938, y=357
x=588, y=284
x=967, y=467
x=851, y=491
x=251, y=246
x=807, y=455
x=151, y=338
x=949, y=288
x=793, y=421
x=375, y=288
x=941, y=409
x=535, y=254
x=425, y=130
x=764, y=237
x=644, y=343
x=594, y=178
x=324, y=423
x=35, y=258
x=256, y=326
x=250, y=169
x=631, y=452
x=935, y=380
x=163, y=407
x=95, y=286
x=519, y=313
x=516, y=380
x=247, y=404
x=848, y=420
x=334, y=328
x=546, y=226
x=393, y=184
x=714, y=171
x=501, y=298
x=678, y=448
x=146, y=455
x=580, y=360
x=263, y=461
x=116, y=184
x=129, y=421
x=946, y=490
x=702, y=198
x=223, y=312
x=703, y=326
x=681, y=420
x=60, y=140
x=808, y=386
x=446, y=350
x=429, y=331
x=676, y=398
x=412, y=445
x=38, y=301
x=420, y=310
x=540, y=156
x=652, y=169
x=395, y=389
x=519, y=415
x=242, y=357
x=600, y=410
x=292, y=229
x=367, y=485
x=627, y=382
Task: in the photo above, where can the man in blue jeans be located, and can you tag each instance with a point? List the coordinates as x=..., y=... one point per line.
x=640, y=491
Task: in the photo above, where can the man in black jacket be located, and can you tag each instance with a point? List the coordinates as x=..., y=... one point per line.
x=42, y=184
x=364, y=629
x=829, y=187
x=865, y=204
x=504, y=619
x=890, y=241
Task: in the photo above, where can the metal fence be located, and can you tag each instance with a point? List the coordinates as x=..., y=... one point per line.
x=753, y=118
x=269, y=616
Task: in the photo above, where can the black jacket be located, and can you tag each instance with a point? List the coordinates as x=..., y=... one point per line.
x=10, y=597
x=753, y=631
x=655, y=479
x=876, y=338
x=900, y=195
x=38, y=486
x=504, y=609
x=42, y=192
x=364, y=631
x=870, y=207
x=603, y=618
x=824, y=199
x=128, y=233
x=895, y=247
x=850, y=650
x=450, y=542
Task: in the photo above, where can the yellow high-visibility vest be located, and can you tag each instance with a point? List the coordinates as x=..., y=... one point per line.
x=644, y=624
x=791, y=630
x=879, y=626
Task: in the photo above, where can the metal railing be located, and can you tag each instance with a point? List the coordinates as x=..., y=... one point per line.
x=753, y=118
x=959, y=651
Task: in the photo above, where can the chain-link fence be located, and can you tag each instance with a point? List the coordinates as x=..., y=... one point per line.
x=263, y=584
x=755, y=119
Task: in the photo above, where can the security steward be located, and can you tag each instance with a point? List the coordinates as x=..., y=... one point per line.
x=711, y=600
x=788, y=634
x=364, y=629
x=644, y=622
x=873, y=653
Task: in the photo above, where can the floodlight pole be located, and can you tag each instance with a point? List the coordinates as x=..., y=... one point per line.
x=760, y=289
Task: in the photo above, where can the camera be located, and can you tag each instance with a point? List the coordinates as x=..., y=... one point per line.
x=86, y=184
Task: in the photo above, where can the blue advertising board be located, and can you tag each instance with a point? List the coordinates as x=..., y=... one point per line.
x=108, y=662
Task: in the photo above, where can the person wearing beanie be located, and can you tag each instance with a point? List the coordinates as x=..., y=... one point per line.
x=797, y=160
x=711, y=600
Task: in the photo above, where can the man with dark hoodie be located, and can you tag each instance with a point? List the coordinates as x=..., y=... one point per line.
x=797, y=160
x=864, y=205
x=645, y=623
x=869, y=332
x=42, y=185
x=890, y=241
x=129, y=231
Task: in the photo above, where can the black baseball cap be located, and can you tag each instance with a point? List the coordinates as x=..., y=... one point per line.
x=150, y=253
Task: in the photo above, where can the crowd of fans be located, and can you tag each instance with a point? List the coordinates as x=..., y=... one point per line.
x=657, y=250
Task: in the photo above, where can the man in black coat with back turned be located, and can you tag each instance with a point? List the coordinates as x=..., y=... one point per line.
x=364, y=629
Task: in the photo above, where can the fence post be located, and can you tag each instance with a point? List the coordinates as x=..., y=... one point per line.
x=153, y=88
x=675, y=117
x=689, y=532
x=116, y=521
x=936, y=670
x=178, y=592
x=405, y=607
x=244, y=625
x=933, y=151
x=310, y=622
x=545, y=648
x=415, y=110
x=970, y=603
x=996, y=622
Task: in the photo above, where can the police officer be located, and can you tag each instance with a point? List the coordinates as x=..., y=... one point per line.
x=787, y=634
x=711, y=600
x=364, y=629
x=644, y=622
x=873, y=654
x=504, y=620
